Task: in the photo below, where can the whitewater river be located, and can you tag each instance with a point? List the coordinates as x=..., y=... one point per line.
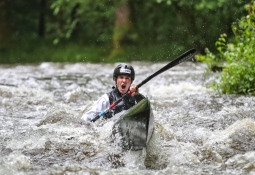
x=197, y=130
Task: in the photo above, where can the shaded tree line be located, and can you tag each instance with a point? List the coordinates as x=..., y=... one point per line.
x=179, y=24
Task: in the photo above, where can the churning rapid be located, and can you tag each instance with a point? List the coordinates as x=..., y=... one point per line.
x=197, y=131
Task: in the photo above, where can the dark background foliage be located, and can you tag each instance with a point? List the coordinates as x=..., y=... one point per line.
x=35, y=31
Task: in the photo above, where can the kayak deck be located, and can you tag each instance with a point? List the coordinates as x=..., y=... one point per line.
x=135, y=126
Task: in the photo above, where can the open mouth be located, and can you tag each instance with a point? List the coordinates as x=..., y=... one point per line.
x=123, y=86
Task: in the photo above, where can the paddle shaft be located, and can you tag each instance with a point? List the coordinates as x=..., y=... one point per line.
x=187, y=55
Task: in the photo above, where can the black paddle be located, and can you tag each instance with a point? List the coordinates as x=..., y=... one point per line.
x=187, y=55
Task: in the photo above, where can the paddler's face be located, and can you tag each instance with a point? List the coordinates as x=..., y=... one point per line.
x=123, y=83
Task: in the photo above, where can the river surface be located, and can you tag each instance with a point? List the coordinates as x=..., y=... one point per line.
x=197, y=130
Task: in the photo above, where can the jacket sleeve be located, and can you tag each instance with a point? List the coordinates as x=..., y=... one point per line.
x=100, y=105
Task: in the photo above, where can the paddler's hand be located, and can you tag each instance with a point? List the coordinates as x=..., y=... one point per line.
x=134, y=90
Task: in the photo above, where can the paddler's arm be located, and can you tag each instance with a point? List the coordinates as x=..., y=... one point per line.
x=135, y=92
x=100, y=105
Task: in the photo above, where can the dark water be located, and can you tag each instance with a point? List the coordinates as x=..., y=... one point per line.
x=197, y=130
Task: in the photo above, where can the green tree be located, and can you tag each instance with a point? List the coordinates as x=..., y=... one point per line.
x=90, y=20
x=4, y=26
x=237, y=56
x=180, y=23
x=154, y=29
x=42, y=15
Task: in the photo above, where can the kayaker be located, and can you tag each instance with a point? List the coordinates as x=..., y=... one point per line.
x=123, y=75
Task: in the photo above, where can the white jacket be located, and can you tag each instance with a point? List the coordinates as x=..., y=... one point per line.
x=100, y=105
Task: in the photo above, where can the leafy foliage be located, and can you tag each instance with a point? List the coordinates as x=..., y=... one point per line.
x=85, y=19
x=183, y=23
x=238, y=75
x=165, y=27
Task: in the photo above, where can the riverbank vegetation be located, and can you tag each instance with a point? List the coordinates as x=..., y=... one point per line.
x=36, y=31
x=235, y=57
